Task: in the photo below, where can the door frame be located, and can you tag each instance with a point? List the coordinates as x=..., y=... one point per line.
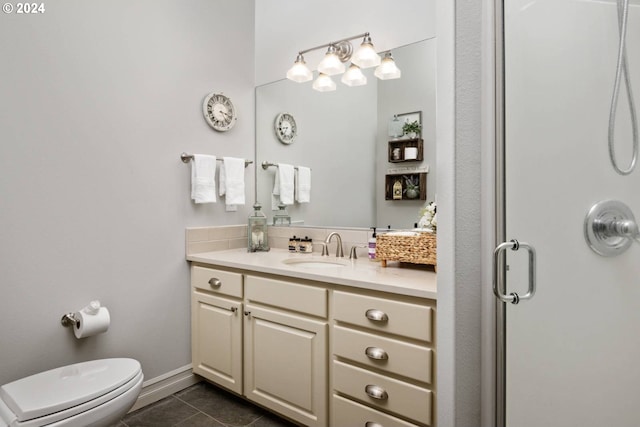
x=500, y=350
x=493, y=208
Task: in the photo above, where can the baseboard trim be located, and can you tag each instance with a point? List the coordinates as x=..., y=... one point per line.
x=165, y=385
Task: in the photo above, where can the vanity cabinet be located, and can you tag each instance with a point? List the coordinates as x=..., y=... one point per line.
x=318, y=353
x=382, y=364
x=216, y=326
x=263, y=338
x=285, y=348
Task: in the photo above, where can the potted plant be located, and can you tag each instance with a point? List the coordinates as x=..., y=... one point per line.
x=411, y=129
x=412, y=186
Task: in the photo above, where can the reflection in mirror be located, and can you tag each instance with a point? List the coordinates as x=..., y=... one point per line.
x=343, y=137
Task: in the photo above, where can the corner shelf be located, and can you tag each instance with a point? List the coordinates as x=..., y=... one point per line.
x=390, y=179
x=401, y=144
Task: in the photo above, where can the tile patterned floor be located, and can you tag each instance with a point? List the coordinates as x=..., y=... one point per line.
x=202, y=405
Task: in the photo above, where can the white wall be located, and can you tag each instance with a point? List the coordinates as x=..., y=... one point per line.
x=97, y=101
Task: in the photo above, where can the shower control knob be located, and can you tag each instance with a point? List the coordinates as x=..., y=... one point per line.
x=610, y=228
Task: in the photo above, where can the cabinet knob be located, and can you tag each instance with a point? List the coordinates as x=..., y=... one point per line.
x=376, y=353
x=246, y=313
x=376, y=392
x=376, y=315
x=234, y=309
x=215, y=282
x=372, y=424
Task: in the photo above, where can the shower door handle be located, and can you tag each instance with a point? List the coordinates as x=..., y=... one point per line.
x=513, y=297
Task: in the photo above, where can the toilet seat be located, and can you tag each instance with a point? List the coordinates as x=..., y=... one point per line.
x=64, y=392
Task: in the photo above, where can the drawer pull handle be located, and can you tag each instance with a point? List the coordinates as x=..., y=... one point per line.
x=372, y=424
x=376, y=392
x=376, y=315
x=234, y=309
x=376, y=353
x=215, y=282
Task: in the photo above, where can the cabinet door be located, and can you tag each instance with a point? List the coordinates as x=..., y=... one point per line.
x=216, y=325
x=286, y=364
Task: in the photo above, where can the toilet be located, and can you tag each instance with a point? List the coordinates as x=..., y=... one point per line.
x=94, y=393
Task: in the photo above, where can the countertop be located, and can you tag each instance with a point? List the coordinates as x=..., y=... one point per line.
x=361, y=273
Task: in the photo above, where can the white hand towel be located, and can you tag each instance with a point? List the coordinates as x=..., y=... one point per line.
x=285, y=178
x=303, y=185
x=203, y=178
x=275, y=193
x=232, y=180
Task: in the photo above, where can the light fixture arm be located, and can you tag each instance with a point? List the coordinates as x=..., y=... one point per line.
x=338, y=43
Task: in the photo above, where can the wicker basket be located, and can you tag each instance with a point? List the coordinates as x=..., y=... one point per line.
x=418, y=249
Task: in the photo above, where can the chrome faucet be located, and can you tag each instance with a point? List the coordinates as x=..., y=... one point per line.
x=325, y=247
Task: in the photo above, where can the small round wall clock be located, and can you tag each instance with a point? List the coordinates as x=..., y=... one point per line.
x=286, y=128
x=219, y=112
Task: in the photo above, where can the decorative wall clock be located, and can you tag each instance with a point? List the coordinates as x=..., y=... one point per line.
x=286, y=128
x=219, y=112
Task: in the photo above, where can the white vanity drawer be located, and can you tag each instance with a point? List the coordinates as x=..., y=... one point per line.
x=394, y=396
x=395, y=317
x=279, y=293
x=400, y=357
x=347, y=413
x=217, y=281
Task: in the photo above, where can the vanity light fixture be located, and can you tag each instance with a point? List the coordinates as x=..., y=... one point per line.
x=324, y=83
x=366, y=56
x=387, y=69
x=299, y=72
x=354, y=76
x=338, y=53
x=331, y=64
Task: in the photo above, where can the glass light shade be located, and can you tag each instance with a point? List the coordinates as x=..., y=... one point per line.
x=324, y=83
x=299, y=72
x=387, y=69
x=331, y=64
x=366, y=56
x=354, y=76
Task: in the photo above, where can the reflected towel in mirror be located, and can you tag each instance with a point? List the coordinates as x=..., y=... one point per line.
x=283, y=186
x=303, y=184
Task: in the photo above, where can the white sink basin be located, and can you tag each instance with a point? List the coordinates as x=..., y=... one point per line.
x=315, y=262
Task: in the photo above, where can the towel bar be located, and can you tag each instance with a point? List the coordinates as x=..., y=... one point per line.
x=186, y=158
x=266, y=165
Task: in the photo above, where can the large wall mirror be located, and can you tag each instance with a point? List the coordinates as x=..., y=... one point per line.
x=343, y=137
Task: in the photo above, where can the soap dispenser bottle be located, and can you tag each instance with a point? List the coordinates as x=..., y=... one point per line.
x=372, y=245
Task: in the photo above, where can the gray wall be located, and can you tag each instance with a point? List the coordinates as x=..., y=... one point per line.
x=414, y=91
x=97, y=101
x=468, y=195
x=336, y=139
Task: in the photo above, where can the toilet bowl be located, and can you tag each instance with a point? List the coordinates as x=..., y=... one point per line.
x=95, y=393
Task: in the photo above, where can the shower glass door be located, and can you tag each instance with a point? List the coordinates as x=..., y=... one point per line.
x=573, y=350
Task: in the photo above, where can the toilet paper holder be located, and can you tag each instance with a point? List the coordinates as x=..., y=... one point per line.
x=69, y=319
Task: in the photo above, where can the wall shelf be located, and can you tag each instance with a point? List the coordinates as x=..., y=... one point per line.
x=401, y=144
x=391, y=179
